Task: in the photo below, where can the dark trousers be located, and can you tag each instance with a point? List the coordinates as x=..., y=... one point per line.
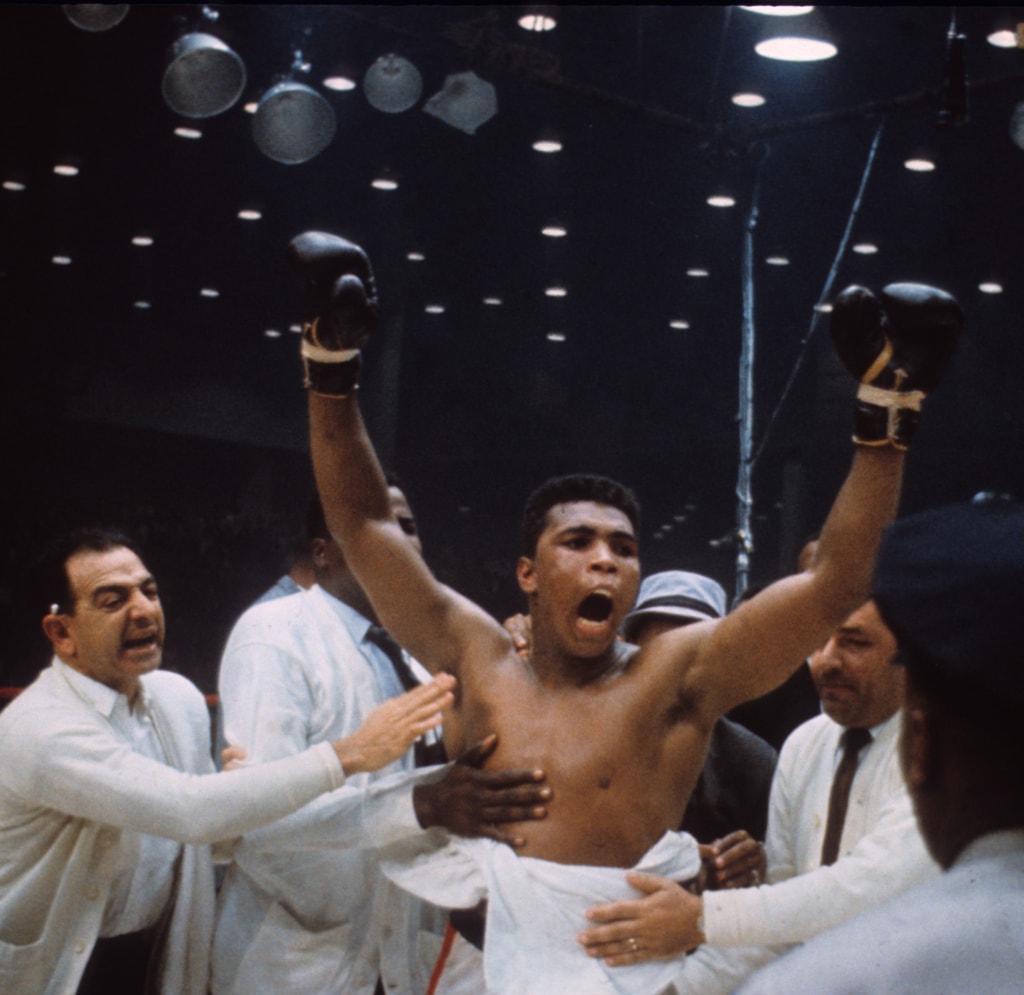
x=117, y=965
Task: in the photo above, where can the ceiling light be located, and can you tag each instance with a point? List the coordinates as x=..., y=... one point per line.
x=556, y=336
x=250, y=214
x=434, y=309
x=251, y=107
x=823, y=308
x=465, y=102
x=384, y=182
x=339, y=83
x=14, y=185
x=272, y=333
x=1004, y=38
x=679, y=324
x=556, y=291
x=748, y=99
x=297, y=329
x=293, y=123
x=188, y=132
x=865, y=248
x=492, y=301
x=96, y=16
x=795, y=49
x=721, y=200
x=697, y=271
x=142, y=305
x=554, y=231
x=415, y=257
x=990, y=287
x=392, y=84
x=806, y=40
x=61, y=260
x=548, y=142
x=777, y=260
x=538, y=17
x=209, y=292
x=65, y=169
x=203, y=77
x=920, y=165
x=142, y=240
x=778, y=10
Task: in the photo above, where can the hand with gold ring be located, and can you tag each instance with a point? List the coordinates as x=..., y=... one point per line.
x=663, y=922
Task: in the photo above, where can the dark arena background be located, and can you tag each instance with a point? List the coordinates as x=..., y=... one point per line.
x=544, y=311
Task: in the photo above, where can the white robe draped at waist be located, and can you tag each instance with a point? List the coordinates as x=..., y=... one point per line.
x=535, y=909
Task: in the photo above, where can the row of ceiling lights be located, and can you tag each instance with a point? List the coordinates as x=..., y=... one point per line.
x=543, y=20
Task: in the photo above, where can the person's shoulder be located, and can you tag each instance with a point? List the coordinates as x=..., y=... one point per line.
x=740, y=739
x=272, y=621
x=809, y=735
x=166, y=686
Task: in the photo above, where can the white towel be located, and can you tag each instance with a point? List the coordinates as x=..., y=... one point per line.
x=535, y=909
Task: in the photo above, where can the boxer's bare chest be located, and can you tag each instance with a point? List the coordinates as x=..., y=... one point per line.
x=620, y=758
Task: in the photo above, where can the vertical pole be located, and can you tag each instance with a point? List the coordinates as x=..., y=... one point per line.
x=744, y=496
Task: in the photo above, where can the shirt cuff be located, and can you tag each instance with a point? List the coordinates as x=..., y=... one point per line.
x=332, y=765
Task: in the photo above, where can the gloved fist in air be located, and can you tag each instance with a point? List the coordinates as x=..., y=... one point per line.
x=339, y=311
x=897, y=345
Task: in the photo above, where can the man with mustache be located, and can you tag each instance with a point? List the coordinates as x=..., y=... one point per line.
x=823, y=866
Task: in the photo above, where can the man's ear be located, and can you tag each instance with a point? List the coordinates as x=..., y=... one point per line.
x=526, y=575
x=916, y=747
x=56, y=629
x=318, y=550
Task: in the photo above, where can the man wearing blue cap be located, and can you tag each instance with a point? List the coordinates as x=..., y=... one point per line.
x=950, y=586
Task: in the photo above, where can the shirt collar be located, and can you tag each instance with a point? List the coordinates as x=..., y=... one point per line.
x=356, y=623
x=104, y=699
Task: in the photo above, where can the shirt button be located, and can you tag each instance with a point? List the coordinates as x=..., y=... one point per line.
x=80, y=947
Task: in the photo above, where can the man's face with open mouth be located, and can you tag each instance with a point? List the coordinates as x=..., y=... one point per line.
x=116, y=631
x=585, y=574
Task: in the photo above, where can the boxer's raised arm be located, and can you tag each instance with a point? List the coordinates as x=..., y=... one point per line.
x=439, y=627
x=896, y=345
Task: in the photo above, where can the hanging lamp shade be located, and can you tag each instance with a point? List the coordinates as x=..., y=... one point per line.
x=392, y=84
x=292, y=123
x=203, y=76
x=96, y=16
x=465, y=102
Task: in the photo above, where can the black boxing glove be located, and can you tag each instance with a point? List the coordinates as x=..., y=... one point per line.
x=897, y=346
x=339, y=311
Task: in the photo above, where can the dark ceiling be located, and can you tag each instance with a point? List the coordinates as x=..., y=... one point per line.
x=188, y=406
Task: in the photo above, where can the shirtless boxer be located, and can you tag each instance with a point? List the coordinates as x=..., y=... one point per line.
x=620, y=733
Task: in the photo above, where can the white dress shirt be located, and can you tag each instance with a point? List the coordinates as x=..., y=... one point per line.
x=304, y=907
x=960, y=932
x=881, y=853
x=77, y=801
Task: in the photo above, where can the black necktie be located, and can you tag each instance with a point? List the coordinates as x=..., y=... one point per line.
x=853, y=741
x=426, y=754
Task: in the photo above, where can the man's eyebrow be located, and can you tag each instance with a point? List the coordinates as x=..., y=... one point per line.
x=590, y=530
x=122, y=588
x=852, y=630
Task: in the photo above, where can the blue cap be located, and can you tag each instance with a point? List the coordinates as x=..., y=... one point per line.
x=949, y=583
x=676, y=594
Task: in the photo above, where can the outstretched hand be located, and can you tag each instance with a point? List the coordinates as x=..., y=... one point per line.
x=662, y=923
x=470, y=801
x=390, y=729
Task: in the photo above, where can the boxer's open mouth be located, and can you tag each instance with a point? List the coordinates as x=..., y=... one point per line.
x=596, y=607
